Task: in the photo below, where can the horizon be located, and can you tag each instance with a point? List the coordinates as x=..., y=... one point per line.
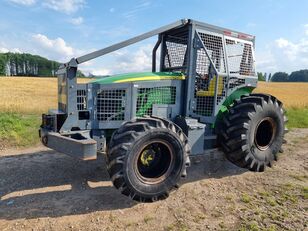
x=91, y=75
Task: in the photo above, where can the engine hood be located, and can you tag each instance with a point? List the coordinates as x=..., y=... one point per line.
x=140, y=76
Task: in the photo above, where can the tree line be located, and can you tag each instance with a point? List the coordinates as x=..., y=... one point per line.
x=295, y=76
x=16, y=64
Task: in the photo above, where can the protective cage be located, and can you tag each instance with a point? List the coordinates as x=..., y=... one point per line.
x=218, y=65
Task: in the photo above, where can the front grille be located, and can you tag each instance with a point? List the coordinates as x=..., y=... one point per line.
x=110, y=105
x=155, y=95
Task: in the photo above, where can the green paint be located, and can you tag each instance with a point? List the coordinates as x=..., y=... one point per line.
x=154, y=96
x=229, y=101
x=132, y=77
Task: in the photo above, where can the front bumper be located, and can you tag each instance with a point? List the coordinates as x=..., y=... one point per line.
x=77, y=144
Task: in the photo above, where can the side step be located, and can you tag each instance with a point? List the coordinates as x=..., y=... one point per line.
x=75, y=145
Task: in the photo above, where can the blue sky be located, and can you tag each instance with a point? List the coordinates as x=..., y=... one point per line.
x=64, y=29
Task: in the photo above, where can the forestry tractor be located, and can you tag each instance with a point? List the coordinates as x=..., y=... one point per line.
x=198, y=97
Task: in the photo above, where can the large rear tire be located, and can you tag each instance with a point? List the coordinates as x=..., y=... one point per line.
x=147, y=157
x=252, y=133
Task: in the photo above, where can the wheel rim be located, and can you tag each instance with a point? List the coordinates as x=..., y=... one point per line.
x=265, y=133
x=154, y=163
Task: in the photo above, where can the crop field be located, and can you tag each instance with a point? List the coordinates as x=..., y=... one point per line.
x=28, y=95
x=37, y=95
x=293, y=95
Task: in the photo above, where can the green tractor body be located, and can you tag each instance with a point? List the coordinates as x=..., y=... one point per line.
x=148, y=124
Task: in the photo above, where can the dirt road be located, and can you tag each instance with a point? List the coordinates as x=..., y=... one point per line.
x=44, y=190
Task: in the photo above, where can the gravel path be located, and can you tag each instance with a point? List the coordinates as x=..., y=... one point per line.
x=44, y=190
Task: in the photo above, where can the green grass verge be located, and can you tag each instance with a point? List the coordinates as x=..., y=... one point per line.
x=298, y=118
x=18, y=130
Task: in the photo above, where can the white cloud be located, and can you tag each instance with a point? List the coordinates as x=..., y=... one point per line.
x=296, y=52
x=306, y=29
x=281, y=43
x=56, y=49
x=4, y=50
x=65, y=6
x=94, y=67
x=24, y=2
x=14, y=50
x=288, y=49
x=122, y=61
x=101, y=72
x=141, y=60
x=266, y=62
x=141, y=6
x=76, y=21
x=284, y=55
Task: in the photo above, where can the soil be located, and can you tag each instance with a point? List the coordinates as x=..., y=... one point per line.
x=41, y=189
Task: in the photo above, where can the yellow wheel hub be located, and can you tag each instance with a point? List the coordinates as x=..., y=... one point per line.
x=147, y=156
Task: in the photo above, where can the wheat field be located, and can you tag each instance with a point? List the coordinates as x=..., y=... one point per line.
x=29, y=95
x=293, y=95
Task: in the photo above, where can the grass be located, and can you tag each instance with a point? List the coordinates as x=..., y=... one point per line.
x=271, y=201
x=147, y=219
x=245, y=198
x=18, y=130
x=23, y=100
x=272, y=206
x=302, y=178
x=298, y=117
x=253, y=226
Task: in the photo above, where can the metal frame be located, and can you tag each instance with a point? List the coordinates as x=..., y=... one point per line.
x=131, y=41
x=186, y=99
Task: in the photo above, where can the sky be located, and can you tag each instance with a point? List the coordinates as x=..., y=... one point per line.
x=63, y=29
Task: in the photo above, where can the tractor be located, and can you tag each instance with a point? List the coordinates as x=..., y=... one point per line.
x=198, y=97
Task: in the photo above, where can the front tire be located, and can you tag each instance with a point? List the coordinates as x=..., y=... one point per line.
x=252, y=133
x=147, y=157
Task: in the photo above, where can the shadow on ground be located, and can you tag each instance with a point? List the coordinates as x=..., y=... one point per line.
x=50, y=184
